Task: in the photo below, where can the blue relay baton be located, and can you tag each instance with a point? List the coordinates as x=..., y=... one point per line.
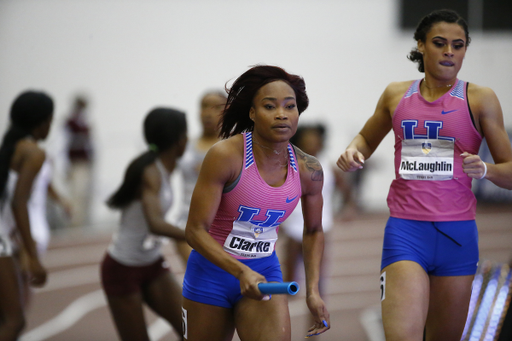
x=290, y=288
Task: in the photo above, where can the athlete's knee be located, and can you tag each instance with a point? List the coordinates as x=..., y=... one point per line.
x=403, y=331
x=402, y=335
x=449, y=331
x=448, y=336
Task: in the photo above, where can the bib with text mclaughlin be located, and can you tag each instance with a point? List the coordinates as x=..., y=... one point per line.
x=424, y=159
x=251, y=241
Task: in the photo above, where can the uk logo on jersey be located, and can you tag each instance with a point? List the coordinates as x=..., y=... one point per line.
x=433, y=129
x=426, y=147
x=257, y=230
x=247, y=214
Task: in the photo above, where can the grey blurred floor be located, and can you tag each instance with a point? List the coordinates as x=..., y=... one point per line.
x=72, y=306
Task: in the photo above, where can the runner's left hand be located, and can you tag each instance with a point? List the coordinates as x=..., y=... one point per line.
x=472, y=165
x=320, y=314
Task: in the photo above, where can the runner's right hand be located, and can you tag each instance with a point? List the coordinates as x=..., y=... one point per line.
x=350, y=160
x=249, y=281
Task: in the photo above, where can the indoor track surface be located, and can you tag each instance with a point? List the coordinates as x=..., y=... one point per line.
x=72, y=307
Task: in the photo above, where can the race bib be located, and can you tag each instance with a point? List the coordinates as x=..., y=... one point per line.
x=250, y=241
x=424, y=159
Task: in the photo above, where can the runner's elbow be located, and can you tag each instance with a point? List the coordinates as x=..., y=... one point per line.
x=191, y=236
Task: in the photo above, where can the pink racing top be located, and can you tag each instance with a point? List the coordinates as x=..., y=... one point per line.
x=430, y=184
x=251, y=211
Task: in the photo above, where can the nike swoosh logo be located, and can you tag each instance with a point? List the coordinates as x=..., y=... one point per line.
x=447, y=112
x=290, y=200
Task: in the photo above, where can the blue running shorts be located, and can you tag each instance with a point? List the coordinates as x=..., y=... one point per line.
x=441, y=248
x=206, y=283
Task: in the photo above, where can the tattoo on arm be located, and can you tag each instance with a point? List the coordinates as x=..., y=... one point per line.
x=312, y=165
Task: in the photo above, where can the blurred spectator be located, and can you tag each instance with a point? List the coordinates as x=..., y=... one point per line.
x=80, y=154
x=310, y=139
x=211, y=106
x=348, y=187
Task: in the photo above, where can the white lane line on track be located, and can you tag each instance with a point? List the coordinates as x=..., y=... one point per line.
x=68, y=317
x=77, y=310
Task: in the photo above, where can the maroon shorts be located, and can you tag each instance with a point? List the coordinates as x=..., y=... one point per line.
x=120, y=280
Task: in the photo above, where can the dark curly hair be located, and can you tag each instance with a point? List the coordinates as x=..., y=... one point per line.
x=235, y=118
x=425, y=25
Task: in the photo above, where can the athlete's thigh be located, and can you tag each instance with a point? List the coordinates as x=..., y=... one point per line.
x=128, y=316
x=405, y=297
x=163, y=295
x=206, y=322
x=449, y=302
x=10, y=296
x=263, y=320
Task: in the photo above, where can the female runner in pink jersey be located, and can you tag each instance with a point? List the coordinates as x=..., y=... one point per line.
x=430, y=251
x=248, y=185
